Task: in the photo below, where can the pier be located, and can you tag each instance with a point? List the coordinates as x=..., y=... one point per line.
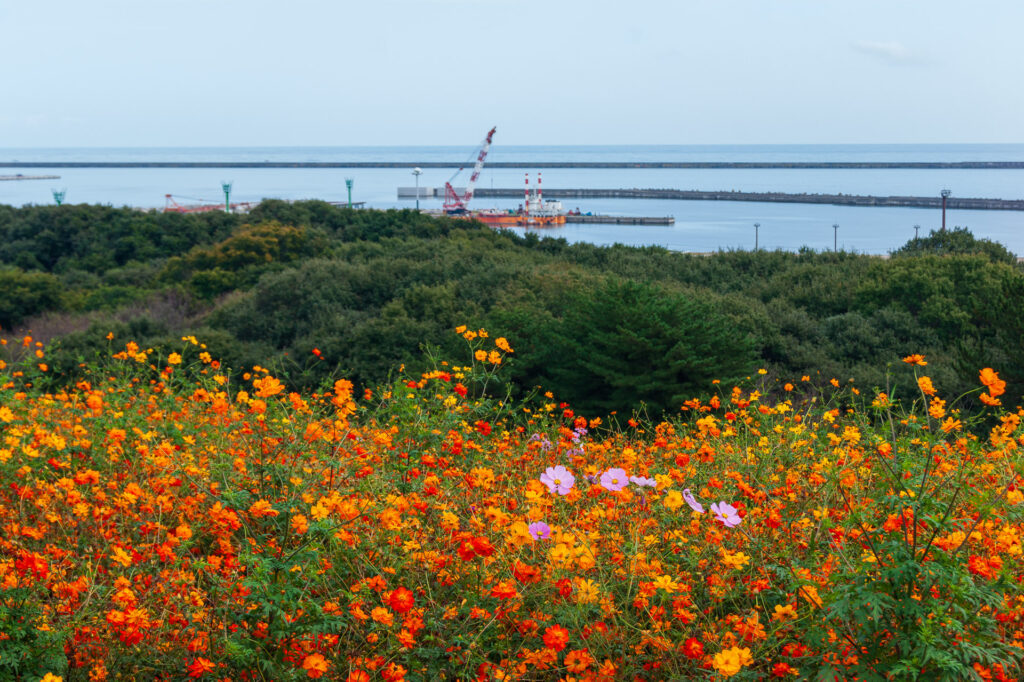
x=538, y=165
x=19, y=176
x=620, y=220
x=975, y=204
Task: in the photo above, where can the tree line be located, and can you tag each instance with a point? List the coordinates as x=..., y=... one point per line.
x=604, y=328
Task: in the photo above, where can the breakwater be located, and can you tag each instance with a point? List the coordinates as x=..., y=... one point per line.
x=19, y=176
x=776, y=197
x=825, y=165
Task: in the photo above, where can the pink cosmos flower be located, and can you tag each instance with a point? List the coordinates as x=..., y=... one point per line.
x=644, y=482
x=726, y=513
x=614, y=479
x=694, y=504
x=539, y=530
x=558, y=480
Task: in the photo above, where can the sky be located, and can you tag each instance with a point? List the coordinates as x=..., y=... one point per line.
x=155, y=73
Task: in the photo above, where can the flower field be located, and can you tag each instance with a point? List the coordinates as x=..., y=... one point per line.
x=165, y=519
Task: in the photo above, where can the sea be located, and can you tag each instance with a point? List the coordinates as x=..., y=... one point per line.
x=700, y=226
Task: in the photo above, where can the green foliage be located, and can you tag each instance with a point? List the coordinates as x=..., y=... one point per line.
x=25, y=294
x=959, y=240
x=626, y=343
x=369, y=288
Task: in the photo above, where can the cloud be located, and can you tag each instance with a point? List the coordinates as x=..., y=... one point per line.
x=891, y=52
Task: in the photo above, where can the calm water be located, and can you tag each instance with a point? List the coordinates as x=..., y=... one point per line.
x=700, y=226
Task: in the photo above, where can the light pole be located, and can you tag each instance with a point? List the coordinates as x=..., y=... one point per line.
x=226, y=186
x=348, y=183
x=916, y=228
x=945, y=195
x=416, y=172
x=757, y=230
x=835, y=237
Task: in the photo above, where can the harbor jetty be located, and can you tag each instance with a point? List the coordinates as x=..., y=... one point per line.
x=19, y=176
x=974, y=204
x=540, y=165
x=620, y=219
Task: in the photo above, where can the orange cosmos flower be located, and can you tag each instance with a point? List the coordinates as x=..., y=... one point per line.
x=315, y=666
x=382, y=615
x=925, y=384
x=262, y=508
x=989, y=400
x=731, y=661
x=996, y=386
x=916, y=359
x=300, y=524
x=200, y=667
x=578, y=660
x=556, y=637
x=267, y=387
x=506, y=589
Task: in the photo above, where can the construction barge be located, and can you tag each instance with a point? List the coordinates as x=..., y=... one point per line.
x=973, y=204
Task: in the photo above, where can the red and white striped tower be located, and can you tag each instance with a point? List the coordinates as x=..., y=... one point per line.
x=540, y=193
x=526, y=197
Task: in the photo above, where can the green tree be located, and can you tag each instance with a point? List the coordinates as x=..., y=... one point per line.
x=627, y=343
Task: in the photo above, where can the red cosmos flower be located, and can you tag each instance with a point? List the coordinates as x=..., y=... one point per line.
x=784, y=669
x=482, y=546
x=466, y=552
x=358, y=676
x=401, y=600
x=461, y=390
x=692, y=648
x=200, y=667
x=556, y=637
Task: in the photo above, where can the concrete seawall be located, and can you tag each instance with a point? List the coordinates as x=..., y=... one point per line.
x=777, y=197
x=969, y=165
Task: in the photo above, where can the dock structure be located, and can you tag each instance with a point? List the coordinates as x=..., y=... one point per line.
x=620, y=219
x=974, y=204
x=19, y=176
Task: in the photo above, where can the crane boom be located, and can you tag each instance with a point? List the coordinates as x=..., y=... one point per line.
x=453, y=203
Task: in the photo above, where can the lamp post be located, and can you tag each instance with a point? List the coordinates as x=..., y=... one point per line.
x=945, y=195
x=916, y=228
x=757, y=229
x=416, y=172
x=835, y=237
x=226, y=186
x=348, y=183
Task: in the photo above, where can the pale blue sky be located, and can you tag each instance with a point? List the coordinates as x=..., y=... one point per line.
x=441, y=72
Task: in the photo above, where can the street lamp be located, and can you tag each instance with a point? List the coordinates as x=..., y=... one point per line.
x=835, y=237
x=416, y=172
x=945, y=195
x=757, y=229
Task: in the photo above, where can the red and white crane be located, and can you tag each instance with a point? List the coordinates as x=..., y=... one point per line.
x=455, y=204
